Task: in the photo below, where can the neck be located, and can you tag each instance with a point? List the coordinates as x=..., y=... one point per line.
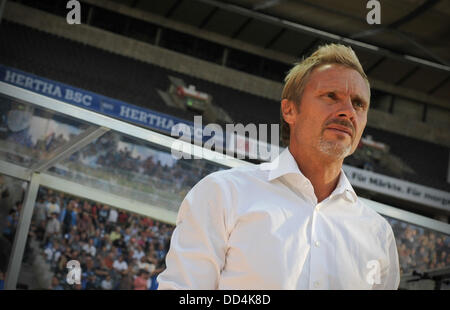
x=322, y=171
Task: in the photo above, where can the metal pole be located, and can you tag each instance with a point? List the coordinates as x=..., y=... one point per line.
x=20, y=238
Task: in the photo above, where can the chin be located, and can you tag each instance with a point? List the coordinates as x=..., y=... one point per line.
x=335, y=149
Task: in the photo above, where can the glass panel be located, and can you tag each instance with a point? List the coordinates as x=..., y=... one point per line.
x=29, y=134
x=138, y=170
x=12, y=194
x=115, y=249
x=420, y=249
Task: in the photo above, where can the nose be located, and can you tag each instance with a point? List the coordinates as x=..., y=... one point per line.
x=346, y=109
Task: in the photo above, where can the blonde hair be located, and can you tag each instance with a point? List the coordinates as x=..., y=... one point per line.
x=296, y=79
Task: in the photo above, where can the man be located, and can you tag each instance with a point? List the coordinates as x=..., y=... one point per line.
x=120, y=265
x=68, y=217
x=53, y=227
x=52, y=207
x=294, y=223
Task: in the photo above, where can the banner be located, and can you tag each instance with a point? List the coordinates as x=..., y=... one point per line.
x=397, y=188
x=91, y=101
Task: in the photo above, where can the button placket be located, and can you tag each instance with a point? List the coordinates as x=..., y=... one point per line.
x=313, y=250
x=319, y=255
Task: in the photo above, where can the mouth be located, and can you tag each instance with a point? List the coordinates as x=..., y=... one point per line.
x=342, y=130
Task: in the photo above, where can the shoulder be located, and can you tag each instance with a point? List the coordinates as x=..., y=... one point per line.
x=220, y=192
x=234, y=177
x=379, y=224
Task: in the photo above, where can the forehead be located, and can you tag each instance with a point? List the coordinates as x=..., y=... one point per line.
x=339, y=78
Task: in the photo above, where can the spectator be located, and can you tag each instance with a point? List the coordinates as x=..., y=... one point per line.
x=40, y=231
x=97, y=238
x=52, y=251
x=91, y=283
x=120, y=265
x=114, y=235
x=84, y=237
x=68, y=217
x=141, y=281
x=52, y=207
x=127, y=235
x=123, y=217
x=143, y=264
x=121, y=245
x=127, y=281
x=11, y=224
x=107, y=283
x=71, y=233
x=112, y=218
x=55, y=285
x=109, y=260
x=75, y=243
x=85, y=223
x=90, y=248
x=61, y=266
x=103, y=214
x=102, y=270
x=139, y=253
x=40, y=211
x=53, y=227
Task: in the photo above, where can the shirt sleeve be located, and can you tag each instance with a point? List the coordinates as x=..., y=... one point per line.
x=390, y=272
x=199, y=242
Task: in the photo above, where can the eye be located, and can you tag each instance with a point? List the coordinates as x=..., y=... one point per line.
x=332, y=95
x=358, y=104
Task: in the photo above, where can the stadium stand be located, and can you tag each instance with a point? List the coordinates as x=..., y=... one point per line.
x=101, y=238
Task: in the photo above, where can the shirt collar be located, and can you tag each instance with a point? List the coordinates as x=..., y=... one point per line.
x=286, y=164
x=345, y=188
x=282, y=165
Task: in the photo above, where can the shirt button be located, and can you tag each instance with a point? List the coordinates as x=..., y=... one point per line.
x=316, y=284
x=317, y=244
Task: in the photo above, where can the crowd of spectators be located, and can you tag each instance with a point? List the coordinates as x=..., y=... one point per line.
x=15, y=128
x=116, y=249
x=420, y=249
x=107, y=156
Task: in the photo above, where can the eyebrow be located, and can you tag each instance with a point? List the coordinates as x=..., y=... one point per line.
x=353, y=97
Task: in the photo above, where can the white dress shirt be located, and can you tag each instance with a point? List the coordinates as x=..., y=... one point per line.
x=261, y=227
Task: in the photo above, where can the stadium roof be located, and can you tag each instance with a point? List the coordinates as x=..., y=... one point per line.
x=412, y=41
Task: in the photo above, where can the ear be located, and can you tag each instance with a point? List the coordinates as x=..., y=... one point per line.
x=289, y=111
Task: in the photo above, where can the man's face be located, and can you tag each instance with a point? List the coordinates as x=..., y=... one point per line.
x=332, y=113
